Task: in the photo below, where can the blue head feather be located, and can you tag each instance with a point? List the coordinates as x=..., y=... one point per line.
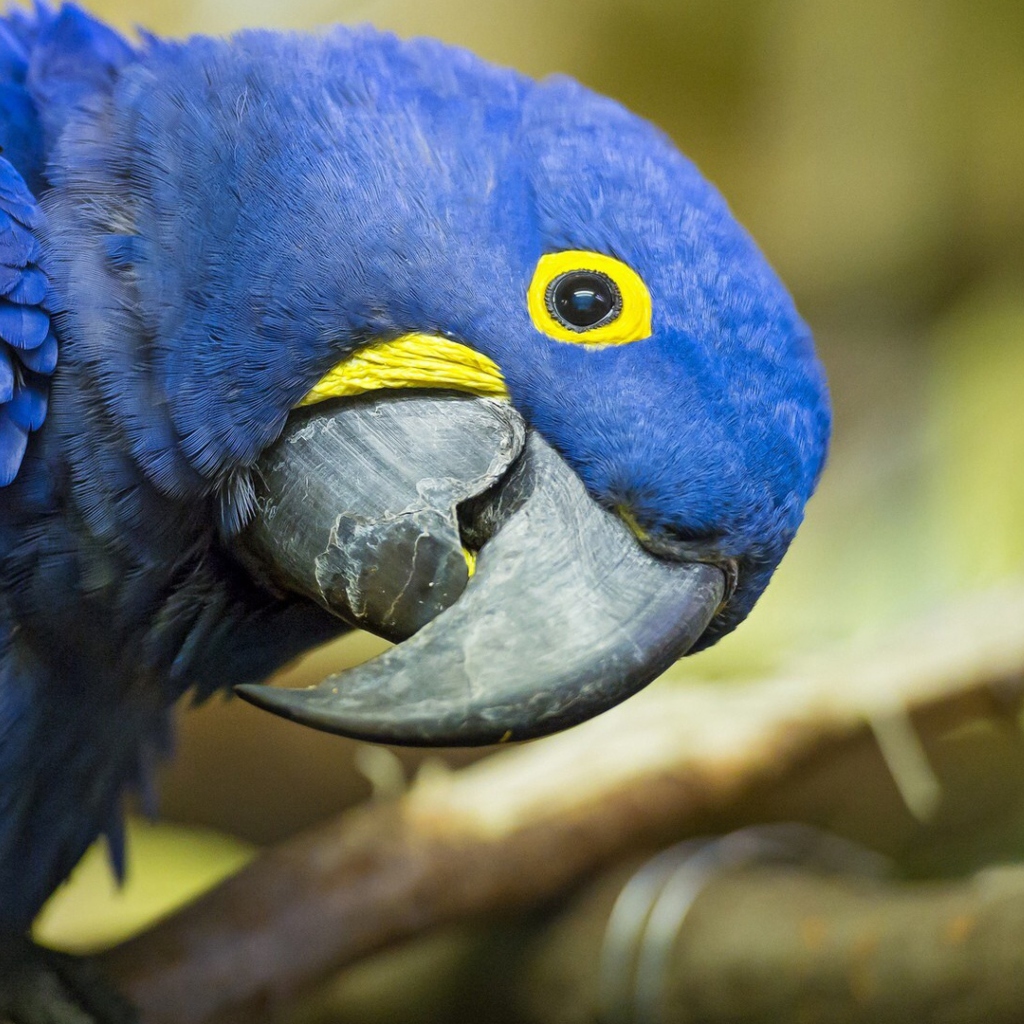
x=280, y=199
x=712, y=433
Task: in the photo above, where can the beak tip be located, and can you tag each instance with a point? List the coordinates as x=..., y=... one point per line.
x=271, y=698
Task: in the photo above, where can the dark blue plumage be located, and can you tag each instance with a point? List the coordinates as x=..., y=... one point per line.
x=223, y=222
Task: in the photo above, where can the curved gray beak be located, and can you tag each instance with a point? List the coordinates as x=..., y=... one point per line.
x=358, y=505
x=566, y=615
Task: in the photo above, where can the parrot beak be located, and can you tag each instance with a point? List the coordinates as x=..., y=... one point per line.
x=369, y=509
x=359, y=506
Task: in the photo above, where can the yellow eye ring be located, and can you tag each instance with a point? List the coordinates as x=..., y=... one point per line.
x=627, y=304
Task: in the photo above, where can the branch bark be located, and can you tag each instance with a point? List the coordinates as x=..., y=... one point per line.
x=772, y=945
x=523, y=825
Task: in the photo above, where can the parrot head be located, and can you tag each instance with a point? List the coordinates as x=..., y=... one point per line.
x=300, y=221
x=663, y=359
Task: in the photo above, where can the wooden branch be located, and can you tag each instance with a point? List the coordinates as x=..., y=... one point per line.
x=523, y=825
x=772, y=945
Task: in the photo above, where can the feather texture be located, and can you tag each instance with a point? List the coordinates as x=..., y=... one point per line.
x=218, y=224
x=27, y=350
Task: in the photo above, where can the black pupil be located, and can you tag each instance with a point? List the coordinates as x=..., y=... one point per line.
x=584, y=299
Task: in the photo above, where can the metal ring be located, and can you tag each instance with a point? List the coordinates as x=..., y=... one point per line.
x=625, y=930
x=650, y=911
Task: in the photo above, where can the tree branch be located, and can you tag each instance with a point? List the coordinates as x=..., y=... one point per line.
x=770, y=945
x=524, y=824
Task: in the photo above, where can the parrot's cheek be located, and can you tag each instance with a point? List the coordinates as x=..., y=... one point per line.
x=377, y=509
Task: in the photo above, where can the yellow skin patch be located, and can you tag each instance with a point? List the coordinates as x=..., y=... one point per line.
x=411, y=361
x=634, y=320
x=630, y=520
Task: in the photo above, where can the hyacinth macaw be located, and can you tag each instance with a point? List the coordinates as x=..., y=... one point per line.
x=207, y=248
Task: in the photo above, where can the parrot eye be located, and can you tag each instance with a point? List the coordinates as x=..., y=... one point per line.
x=582, y=299
x=589, y=298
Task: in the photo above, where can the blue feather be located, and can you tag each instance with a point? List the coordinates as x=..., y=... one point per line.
x=27, y=409
x=13, y=57
x=122, y=250
x=73, y=56
x=10, y=277
x=18, y=245
x=13, y=441
x=16, y=200
x=23, y=326
x=6, y=377
x=30, y=289
x=41, y=359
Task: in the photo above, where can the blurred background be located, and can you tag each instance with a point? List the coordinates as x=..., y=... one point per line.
x=876, y=152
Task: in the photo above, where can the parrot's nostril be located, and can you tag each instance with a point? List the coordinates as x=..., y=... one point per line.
x=692, y=535
x=683, y=544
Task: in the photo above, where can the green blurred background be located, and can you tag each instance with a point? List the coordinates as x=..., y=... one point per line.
x=876, y=151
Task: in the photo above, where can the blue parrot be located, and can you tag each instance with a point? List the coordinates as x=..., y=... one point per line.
x=217, y=253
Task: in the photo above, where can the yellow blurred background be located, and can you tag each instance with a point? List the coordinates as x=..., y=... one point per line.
x=876, y=151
